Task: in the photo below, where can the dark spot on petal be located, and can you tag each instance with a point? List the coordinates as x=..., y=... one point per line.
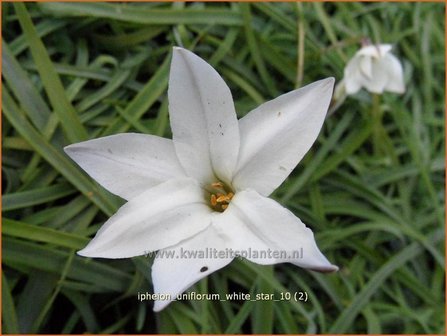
x=220, y=125
x=282, y=168
x=221, y=133
x=204, y=269
x=279, y=114
x=109, y=150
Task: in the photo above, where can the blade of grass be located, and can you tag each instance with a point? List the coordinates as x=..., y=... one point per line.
x=51, y=81
x=263, y=313
x=46, y=308
x=36, y=196
x=23, y=89
x=42, y=234
x=254, y=50
x=328, y=145
x=37, y=290
x=348, y=315
x=114, y=83
x=133, y=14
x=142, y=101
x=17, y=253
x=127, y=40
x=83, y=306
x=54, y=157
x=9, y=315
x=43, y=29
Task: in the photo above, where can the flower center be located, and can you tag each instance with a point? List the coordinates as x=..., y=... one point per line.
x=220, y=196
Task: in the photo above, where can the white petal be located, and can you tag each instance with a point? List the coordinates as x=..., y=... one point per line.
x=261, y=224
x=395, y=74
x=203, y=118
x=158, y=218
x=375, y=50
x=192, y=260
x=276, y=135
x=352, y=76
x=366, y=66
x=379, y=78
x=127, y=164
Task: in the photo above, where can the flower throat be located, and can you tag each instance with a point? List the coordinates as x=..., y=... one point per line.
x=220, y=196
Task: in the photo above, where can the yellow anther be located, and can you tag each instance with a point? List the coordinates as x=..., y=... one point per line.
x=222, y=198
x=213, y=200
x=217, y=185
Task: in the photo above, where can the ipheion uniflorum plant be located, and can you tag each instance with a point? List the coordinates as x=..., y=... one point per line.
x=208, y=187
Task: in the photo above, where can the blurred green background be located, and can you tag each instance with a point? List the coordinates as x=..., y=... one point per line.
x=371, y=188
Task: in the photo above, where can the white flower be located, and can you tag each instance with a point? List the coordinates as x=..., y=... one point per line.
x=376, y=69
x=207, y=188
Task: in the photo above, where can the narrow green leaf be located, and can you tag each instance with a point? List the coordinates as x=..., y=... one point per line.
x=349, y=146
x=37, y=291
x=42, y=234
x=43, y=28
x=114, y=83
x=58, y=160
x=134, y=14
x=263, y=313
x=329, y=144
x=9, y=316
x=242, y=315
x=127, y=40
x=23, y=89
x=254, y=50
x=49, y=303
x=51, y=81
x=17, y=253
x=36, y=196
x=82, y=304
x=348, y=315
x=143, y=100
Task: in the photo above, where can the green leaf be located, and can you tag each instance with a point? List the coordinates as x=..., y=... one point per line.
x=51, y=81
x=133, y=14
x=349, y=314
x=142, y=101
x=21, y=86
x=58, y=160
x=42, y=234
x=36, y=196
x=9, y=316
x=17, y=253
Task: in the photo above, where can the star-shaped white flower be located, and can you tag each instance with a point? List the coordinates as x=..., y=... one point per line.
x=376, y=69
x=207, y=188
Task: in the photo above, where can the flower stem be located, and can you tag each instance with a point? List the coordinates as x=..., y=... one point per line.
x=377, y=114
x=382, y=143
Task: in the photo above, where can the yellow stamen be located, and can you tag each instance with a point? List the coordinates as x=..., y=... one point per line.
x=222, y=198
x=213, y=200
x=219, y=196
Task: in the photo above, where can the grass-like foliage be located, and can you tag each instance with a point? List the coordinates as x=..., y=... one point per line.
x=371, y=188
